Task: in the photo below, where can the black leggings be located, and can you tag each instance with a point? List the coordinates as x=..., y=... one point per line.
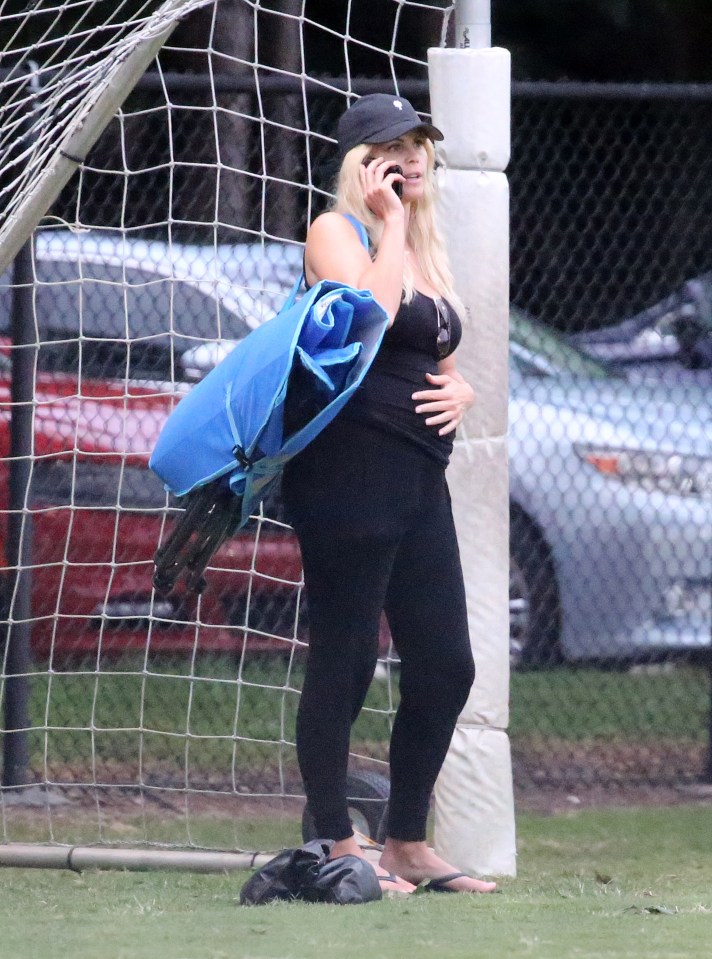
x=373, y=518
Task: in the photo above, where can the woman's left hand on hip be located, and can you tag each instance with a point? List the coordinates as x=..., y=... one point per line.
x=446, y=405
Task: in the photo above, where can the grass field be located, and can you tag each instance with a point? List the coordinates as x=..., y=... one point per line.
x=175, y=722
x=591, y=884
x=86, y=714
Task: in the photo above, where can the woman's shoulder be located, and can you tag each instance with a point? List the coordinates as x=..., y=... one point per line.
x=330, y=222
x=336, y=228
x=329, y=216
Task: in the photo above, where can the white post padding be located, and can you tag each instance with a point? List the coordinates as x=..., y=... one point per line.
x=478, y=486
x=473, y=210
x=470, y=103
x=474, y=803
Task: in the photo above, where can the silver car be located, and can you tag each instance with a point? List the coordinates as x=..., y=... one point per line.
x=611, y=508
x=147, y=308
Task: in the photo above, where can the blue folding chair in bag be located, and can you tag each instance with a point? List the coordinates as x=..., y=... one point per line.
x=227, y=441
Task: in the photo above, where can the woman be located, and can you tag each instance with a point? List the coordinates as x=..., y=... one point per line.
x=369, y=501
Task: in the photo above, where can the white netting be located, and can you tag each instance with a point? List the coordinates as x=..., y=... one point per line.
x=64, y=69
x=179, y=232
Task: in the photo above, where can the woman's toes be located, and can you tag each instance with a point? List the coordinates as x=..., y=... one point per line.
x=459, y=882
x=480, y=885
x=390, y=884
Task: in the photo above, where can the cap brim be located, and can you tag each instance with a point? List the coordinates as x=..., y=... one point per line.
x=433, y=132
x=392, y=132
x=395, y=130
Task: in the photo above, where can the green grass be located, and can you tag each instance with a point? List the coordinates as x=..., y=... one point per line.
x=123, y=827
x=618, y=883
x=78, y=714
x=216, y=721
x=566, y=703
x=577, y=704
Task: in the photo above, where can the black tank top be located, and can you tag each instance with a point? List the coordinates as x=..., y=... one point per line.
x=408, y=351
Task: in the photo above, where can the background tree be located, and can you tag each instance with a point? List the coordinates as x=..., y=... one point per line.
x=606, y=40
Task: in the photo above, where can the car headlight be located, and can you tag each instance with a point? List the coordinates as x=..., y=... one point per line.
x=685, y=475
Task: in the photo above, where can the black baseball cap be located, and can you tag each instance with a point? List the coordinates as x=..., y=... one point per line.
x=378, y=118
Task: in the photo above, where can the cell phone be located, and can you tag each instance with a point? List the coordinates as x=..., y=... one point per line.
x=397, y=185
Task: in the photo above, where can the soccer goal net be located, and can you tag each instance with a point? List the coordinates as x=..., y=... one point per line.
x=159, y=164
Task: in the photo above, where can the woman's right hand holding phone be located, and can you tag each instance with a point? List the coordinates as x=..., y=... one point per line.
x=378, y=178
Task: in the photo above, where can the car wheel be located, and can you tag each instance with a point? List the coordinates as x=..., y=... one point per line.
x=368, y=802
x=534, y=612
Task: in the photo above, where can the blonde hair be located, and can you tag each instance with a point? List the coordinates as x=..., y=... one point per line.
x=423, y=236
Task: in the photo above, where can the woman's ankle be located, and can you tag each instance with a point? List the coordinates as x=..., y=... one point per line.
x=345, y=847
x=407, y=851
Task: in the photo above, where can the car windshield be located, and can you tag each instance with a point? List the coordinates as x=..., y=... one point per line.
x=541, y=351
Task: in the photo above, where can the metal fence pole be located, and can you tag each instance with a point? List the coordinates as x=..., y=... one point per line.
x=473, y=24
x=707, y=771
x=19, y=584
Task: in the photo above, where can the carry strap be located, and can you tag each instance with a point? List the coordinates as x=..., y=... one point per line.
x=291, y=299
x=363, y=237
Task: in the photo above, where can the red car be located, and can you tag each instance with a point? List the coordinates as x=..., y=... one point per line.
x=98, y=514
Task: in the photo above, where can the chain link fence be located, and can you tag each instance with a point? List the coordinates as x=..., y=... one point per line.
x=180, y=231
x=611, y=435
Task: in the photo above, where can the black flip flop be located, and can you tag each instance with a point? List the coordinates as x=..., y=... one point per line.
x=441, y=883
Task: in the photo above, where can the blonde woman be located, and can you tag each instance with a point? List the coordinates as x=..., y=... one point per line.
x=369, y=501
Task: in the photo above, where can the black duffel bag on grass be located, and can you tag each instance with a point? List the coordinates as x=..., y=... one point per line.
x=307, y=874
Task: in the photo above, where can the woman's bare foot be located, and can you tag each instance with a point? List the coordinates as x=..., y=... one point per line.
x=388, y=881
x=417, y=862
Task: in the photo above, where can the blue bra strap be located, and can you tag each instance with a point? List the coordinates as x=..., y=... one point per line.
x=359, y=227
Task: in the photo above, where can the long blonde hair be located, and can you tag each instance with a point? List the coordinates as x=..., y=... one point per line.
x=423, y=236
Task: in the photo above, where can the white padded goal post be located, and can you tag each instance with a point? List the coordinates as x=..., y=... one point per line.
x=474, y=805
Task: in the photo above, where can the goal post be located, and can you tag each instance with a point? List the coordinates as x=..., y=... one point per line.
x=202, y=182
x=85, y=90
x=470, y=89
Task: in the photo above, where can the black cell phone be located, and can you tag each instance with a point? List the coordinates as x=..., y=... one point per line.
x=397, y=185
